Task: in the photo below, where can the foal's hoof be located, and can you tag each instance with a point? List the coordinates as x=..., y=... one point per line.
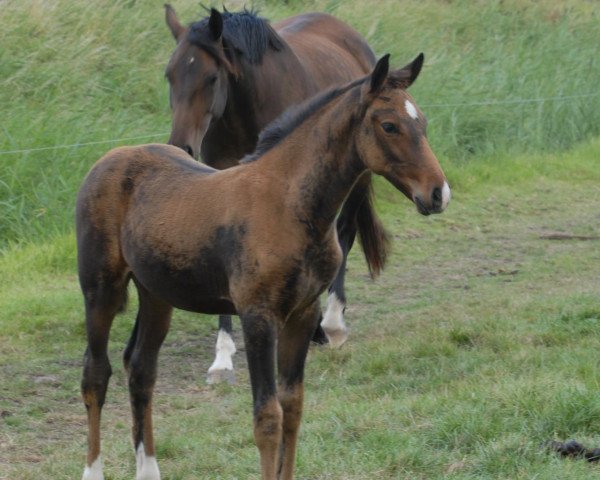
x=336, y=337
x=221, y=376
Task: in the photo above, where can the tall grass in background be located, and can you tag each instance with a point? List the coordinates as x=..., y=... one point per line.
x=492, y=51
x=74, y=72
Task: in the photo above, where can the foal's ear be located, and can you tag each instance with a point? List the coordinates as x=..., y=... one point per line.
x=405, y=76
x=380, y=73
x=215, y=24
x=173, y=22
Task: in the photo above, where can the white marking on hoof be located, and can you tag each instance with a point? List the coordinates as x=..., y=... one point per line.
x=446, y=195
x=93, y=471
x=411, y=109
x=146, y=467
x=333, y=322
x=222, y=367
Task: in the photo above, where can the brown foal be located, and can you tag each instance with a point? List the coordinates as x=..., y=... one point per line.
x=265, y=250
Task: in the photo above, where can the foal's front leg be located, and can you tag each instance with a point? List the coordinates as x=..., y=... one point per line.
x=292, y=348
x=260, y=339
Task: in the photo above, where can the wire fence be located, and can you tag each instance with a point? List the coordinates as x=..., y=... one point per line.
x=510, y=102
x=83, y=144
x=432, y=105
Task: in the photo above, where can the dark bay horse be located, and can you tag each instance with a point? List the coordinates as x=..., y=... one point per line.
x=230, y=75
x=258, y=240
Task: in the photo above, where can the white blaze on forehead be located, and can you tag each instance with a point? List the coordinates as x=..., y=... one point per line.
x=191, y=60
x=411, y=109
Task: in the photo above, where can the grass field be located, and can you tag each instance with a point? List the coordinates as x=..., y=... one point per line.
x=478, y=344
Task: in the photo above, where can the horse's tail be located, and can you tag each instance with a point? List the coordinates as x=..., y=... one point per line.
x=374, y=239
x=358, y=214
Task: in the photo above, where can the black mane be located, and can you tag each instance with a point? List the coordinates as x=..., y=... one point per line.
x=244, y=33
x=291, y=118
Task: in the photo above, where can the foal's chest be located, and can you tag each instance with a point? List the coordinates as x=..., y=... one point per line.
x=322, y=261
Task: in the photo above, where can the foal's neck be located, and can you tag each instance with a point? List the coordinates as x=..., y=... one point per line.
x=319, y=162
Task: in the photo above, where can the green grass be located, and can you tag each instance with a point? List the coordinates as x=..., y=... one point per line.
x=477, y=345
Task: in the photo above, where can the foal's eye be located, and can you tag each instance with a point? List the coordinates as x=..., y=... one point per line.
x=389, y=128
x=211, y=80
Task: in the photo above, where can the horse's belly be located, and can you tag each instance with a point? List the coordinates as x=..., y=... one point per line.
x=193, y=296
x=202, y=289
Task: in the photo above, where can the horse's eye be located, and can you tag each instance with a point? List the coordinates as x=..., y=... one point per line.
x=389, y=128
x=211, y=80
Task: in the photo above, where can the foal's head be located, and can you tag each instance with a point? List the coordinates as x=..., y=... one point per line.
x=392, y=140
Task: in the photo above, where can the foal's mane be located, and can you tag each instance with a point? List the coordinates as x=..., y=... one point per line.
x=244, y=32
x=293, y=117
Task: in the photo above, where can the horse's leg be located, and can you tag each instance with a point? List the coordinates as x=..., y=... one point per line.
x=333, y=322
x=222, y=367
x=357, y=215
x=152, y=325
x=319, y=337
x=292, y=348
x=103, y=300
x=260, y=340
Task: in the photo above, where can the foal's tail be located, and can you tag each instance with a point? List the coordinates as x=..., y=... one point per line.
x=359, y=209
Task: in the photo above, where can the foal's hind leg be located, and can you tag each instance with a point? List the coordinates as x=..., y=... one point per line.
x=152, y=325
x=103, y=299
x=222, y=367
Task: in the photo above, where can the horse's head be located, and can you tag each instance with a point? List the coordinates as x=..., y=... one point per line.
x=198, y=77
x=392, y=141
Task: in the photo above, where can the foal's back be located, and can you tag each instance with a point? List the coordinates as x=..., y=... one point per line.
x=182, y=229
x=119, y=182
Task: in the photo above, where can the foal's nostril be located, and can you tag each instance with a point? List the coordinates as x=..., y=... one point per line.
x=188, y=150
x=437, y=196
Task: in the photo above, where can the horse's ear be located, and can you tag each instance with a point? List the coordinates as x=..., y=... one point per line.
x=380, y=73
x=176, y=27
x=215, y=24
x=408, y=74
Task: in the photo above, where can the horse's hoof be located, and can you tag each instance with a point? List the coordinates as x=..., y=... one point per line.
x=336, y=337
x=221, y=376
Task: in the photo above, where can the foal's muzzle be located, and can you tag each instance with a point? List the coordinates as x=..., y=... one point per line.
x=437, y=203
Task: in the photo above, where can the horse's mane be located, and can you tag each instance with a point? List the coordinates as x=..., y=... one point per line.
x=243, y=32
x=291, y=118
